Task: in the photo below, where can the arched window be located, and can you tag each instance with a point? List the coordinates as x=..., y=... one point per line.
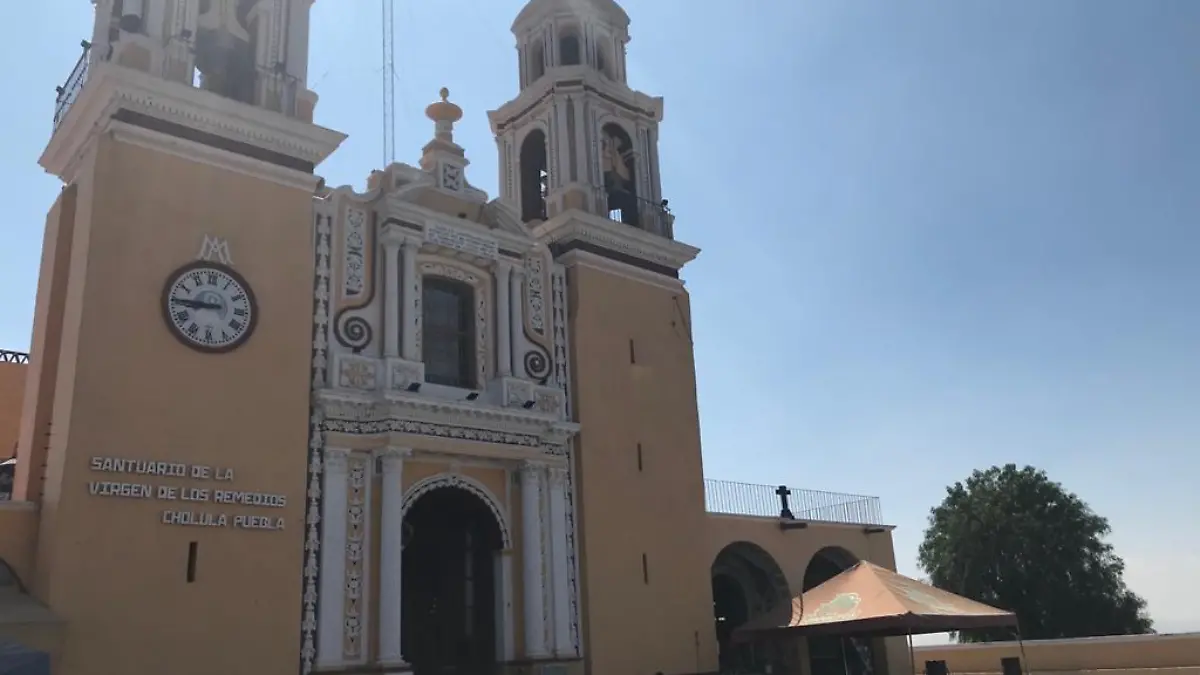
x=620, y=177
x=537, y=61
x=569, y=53
x=448, y=332
x=534, y=179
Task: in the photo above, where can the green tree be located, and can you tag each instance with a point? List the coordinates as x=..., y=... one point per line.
x=1014, y=539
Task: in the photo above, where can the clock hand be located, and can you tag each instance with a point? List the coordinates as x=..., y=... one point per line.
x=197, y=304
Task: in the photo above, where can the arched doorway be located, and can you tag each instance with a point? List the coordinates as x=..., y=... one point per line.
x=746, y=582
x=449, y=583
x=834, y=655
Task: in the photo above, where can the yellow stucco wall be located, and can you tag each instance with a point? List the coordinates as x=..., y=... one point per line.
x=126, y=389
x=634, y=381
x=1128, y=655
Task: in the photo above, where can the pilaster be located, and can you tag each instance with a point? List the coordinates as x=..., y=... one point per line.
x=391, y=561
x=331, y=606
x=532, y=478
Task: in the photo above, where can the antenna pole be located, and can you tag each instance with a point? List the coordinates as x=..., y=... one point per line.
x=389, y=82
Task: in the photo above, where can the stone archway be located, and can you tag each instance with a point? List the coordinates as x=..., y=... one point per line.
x=833, y=655
x=746, y=582
x=450, y=585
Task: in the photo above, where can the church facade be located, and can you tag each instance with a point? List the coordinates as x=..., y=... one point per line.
x=268, y=425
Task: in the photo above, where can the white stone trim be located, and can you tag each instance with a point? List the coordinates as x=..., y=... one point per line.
x=461, y=482
x=403, y=407
x=357, y=545
x=391, y=557
x=560, y=560
x=533, y=559
x=112, y=87
x=330, y=633
x=588, y=259
x=316, y=438
x=575, y=225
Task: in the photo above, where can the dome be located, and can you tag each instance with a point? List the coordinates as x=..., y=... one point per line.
x=535, y=10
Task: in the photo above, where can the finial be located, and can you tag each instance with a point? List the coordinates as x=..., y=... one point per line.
x=444, y=114
x=444, y=111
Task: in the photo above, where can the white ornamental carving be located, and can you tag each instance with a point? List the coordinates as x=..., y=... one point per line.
x=461, y=240
x=534, y=293
x=316, y=443
x=356, y=537
x=358, y=372
x=355, y=252
x=215, y=249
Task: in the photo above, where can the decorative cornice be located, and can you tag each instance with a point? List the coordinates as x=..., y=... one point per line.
x=112, y=88
x=344, y=411
x=573, y=81
x=574, y=226
x=588, y=259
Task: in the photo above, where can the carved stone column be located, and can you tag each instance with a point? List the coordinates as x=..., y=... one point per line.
x=391, y=557
x=412, y=302
x=332, y=593
x=504, y=606
x=559, y=564
x=392, y=298
x=503, y=319
x=517, y=313
x=531, y=539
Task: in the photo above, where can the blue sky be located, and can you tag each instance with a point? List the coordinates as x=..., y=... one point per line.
x=937, y=235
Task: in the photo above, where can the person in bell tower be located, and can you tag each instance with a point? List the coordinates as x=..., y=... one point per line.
x=225, y=48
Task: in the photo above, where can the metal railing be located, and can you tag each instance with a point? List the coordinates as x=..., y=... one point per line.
x=776, y=501
x=626, y=207
x=9, y=356
x=69, y=91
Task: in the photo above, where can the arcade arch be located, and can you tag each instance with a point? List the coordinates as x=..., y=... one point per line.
x=833, y=655
x=746, y=582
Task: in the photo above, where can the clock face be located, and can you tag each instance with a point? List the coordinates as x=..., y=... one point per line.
x=209, y=307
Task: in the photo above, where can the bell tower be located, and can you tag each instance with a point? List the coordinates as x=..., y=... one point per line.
x=578, y=151
x=587, y=141
x=166, y=424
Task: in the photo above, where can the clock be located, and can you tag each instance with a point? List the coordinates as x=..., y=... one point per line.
x=209, y=307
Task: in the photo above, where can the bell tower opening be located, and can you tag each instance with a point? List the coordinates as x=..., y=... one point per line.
x=226, y=45
x=534, y=178
x=569, y=53
x=251, y=51
x=620, y=175
x=596, y=147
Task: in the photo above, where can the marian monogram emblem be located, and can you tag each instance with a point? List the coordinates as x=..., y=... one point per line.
x=215, y=249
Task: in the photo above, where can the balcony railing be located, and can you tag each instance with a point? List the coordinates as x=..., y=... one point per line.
x=777, y=501
x=68, y=92
x=8, y=356
x=628, y=208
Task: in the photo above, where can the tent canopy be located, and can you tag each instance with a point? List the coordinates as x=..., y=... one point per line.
x=869, y=600
x=16, y=659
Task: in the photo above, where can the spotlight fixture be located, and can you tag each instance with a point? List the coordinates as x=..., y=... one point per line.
x=527, y=405
x=472, y=396
x=414, y=387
